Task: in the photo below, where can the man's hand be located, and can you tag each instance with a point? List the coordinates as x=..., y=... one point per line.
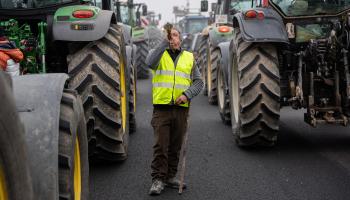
x=181, y=100
x=167, y=28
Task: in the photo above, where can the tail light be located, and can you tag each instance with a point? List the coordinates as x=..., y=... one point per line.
x=253, y=14
x=224, y=29
x=83, y=14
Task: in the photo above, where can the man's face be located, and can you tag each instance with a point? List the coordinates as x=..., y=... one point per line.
x=175, y=41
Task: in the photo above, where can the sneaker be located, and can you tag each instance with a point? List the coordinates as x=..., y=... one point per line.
x=156, y=188
x=174, y=183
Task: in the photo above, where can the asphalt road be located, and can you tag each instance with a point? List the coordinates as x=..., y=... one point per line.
x=307, y=163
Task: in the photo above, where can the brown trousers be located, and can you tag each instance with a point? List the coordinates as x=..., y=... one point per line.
x=169, y=125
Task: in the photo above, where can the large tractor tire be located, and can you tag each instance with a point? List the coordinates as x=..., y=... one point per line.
x=212, y=72
x=15, y=176
x=223, y=98
x=73, y=149
x=132, y=100
x=154, y=36
x=141, y=55
x=255, y=93
x=99, y=73
x=202, y=61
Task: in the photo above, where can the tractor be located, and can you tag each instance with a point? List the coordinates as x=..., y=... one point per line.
x=144, y=36
x=190, y=26
x=72, y=97
x=212, y=38
x=286, y=53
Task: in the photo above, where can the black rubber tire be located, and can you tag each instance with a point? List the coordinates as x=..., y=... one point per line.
x=215, y=57
x=13, y=148
x=95, y=72
x=223, y=98
x=154, y=36
x=141, y=55
x=202, y=57
x=72, y=128
x=255, y=83
x=132, y=100
x=200, y=51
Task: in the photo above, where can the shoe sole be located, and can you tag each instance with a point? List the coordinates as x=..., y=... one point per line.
x=154, y=194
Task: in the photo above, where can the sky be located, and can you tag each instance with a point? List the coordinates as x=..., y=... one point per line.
x=165, y=7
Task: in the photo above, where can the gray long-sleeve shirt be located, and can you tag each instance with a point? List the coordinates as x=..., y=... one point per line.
x=153, y=59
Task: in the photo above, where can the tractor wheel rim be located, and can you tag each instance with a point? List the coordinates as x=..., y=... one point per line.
x=123, y=92
x=209, y=72
x=221, y=92
x=235, y=89
x=3, y=187
x=77, y=171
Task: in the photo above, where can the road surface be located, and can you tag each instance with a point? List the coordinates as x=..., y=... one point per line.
x=307, y=163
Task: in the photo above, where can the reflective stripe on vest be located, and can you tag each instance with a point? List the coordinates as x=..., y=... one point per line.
x=171, y=73
x=169, y=82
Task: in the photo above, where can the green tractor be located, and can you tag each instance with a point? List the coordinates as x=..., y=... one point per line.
x=145, y=36
x=210, y=45
x=60, y=131
x=286, y=53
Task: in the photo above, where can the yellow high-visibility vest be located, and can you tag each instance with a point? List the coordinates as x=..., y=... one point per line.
x=169, y=82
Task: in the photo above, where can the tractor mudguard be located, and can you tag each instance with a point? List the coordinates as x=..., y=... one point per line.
x=92, y=29
x=38, y=100
x=225, y=60
x=268, y=29
x=216, y=37
x=127, y=31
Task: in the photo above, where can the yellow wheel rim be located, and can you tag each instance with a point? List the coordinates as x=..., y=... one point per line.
x=77, y=171
x=123, y=92
x=3, y=188
x=209, y=72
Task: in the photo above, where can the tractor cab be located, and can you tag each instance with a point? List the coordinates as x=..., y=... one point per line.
x=294, y=8
x=127, y=16
x=32, y=4
x=129, y=13
x=193, y=24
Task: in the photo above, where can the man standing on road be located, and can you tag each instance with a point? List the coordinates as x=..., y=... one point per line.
x=176, y=80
